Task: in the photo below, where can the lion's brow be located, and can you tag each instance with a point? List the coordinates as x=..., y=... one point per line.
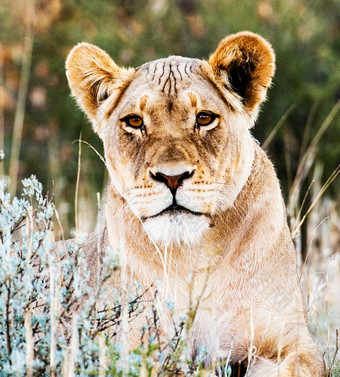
x=167, y=73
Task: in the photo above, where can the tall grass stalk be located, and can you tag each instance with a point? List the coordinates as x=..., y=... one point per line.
x=73, y=347
x=307, y=130
x=22, y=96
x=332, y=363
x=29, y=341
x=98, y=259
x=102, y=355
x=52, y=319
x=77, y=186
x=2, y=107
x=309, y=249
x=93, y=148
x=306, y=162
x=330, y=179
x=277, y=127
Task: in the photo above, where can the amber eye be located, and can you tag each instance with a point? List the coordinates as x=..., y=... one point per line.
x=133, y=121
x=204, y=119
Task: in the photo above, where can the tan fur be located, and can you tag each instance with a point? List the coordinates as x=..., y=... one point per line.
x=233, y=251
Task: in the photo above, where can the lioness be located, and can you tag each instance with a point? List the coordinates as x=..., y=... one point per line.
x=197, y=201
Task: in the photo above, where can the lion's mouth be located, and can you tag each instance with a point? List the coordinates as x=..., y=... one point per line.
x=173, y=210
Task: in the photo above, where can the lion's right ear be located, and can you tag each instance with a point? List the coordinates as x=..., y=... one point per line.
x=93, y=76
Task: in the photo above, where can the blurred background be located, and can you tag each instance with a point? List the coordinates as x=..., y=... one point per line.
x=299, y=125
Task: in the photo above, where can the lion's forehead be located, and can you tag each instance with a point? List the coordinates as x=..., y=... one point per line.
x=172, y=73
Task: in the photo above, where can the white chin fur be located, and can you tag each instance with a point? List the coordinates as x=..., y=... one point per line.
x=179, y=228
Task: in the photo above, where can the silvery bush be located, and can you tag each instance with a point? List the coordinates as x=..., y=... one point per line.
x=42, y=282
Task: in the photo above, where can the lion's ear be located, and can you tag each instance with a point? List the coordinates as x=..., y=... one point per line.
x=245, y=63
x=93, y=76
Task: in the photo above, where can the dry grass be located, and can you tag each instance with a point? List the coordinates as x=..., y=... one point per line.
x=315, y=226
x=321, y=279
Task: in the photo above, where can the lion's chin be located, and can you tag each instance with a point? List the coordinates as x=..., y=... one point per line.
x=176, y=228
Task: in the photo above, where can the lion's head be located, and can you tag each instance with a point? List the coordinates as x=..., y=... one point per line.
x=176, y=130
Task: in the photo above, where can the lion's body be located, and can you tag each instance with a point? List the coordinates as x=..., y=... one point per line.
x=196, y=200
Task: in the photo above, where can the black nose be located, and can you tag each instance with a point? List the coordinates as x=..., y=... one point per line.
x=172, y=181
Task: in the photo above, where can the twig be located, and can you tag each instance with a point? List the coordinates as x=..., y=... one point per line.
x=8, y=322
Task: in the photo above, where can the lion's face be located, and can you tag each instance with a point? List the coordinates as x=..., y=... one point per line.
x=175, y=132
x=175, y=149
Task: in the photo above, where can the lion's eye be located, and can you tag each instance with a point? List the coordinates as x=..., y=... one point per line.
x=134, y=121
x=204, y=119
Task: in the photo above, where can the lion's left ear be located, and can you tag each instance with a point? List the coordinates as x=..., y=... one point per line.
x=244, y=63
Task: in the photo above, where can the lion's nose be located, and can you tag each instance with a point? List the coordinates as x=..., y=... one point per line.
x=172, y=181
